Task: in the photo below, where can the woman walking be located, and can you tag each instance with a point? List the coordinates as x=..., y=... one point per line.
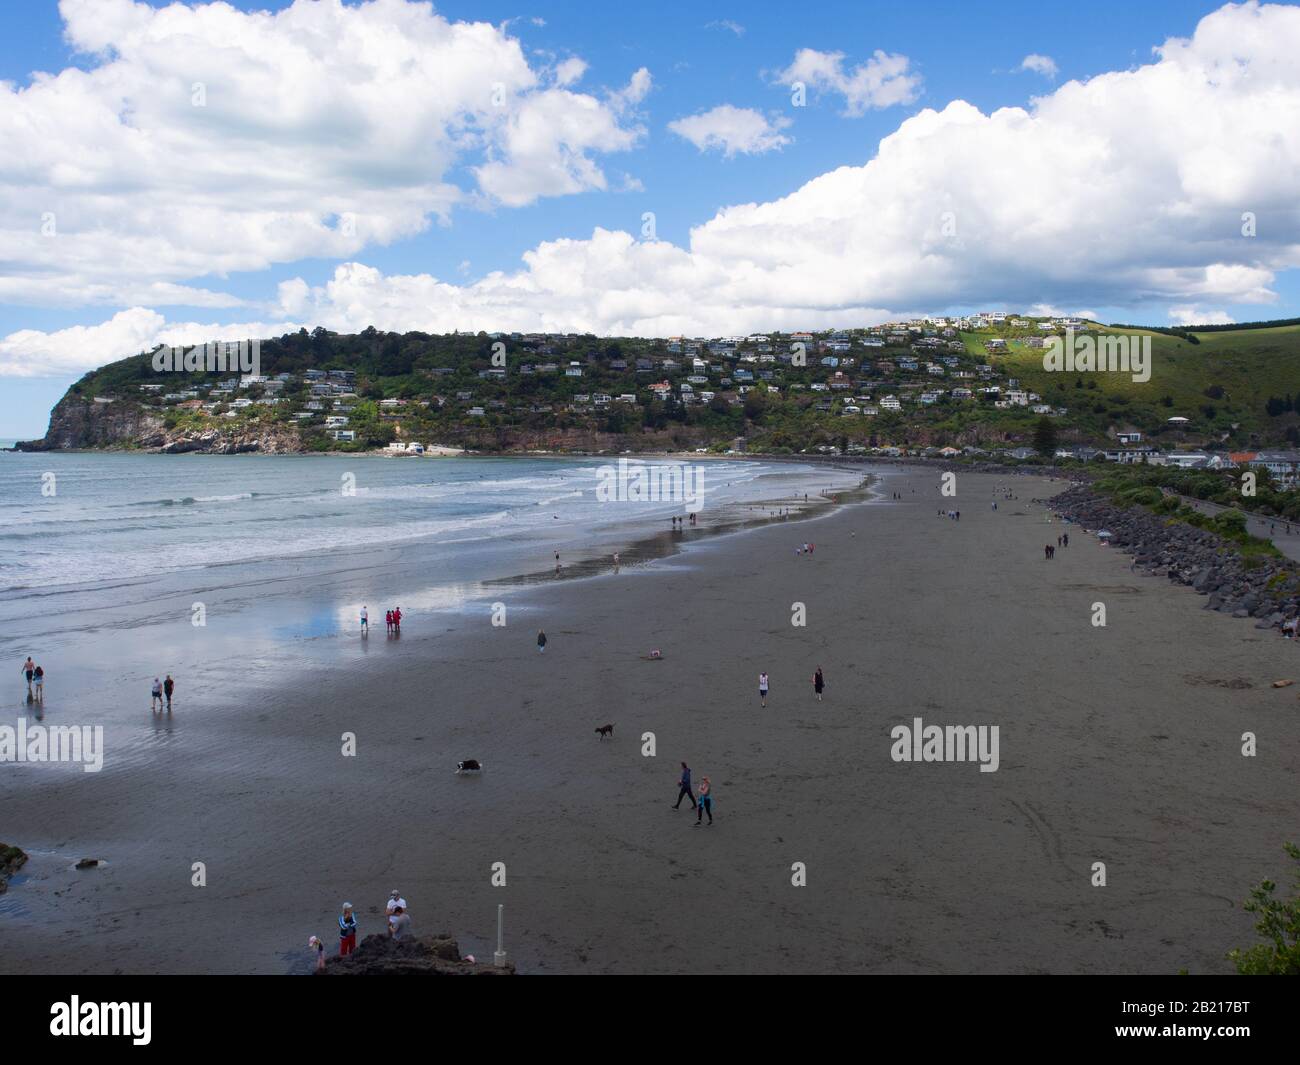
x=819, y=682
x=156, y=695
x=705, y=804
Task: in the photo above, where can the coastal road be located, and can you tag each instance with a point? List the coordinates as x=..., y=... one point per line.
x=1284, y=534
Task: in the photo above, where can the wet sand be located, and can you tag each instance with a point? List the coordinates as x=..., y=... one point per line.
x=1119, y=744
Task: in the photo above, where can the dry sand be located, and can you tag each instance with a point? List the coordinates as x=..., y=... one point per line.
x=1119, y=744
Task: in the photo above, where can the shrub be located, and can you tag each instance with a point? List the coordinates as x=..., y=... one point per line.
x=1278, y=925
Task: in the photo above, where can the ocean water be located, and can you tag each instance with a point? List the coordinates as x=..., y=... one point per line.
x=87, y=518
x=241, y=573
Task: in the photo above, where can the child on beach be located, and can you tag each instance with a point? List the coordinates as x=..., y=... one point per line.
x=347, y=931
x=762, y=688
x=319, y=948
x=399, y=925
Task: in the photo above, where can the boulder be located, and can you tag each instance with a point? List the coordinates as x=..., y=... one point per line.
x=11, y=860
x=381, y=955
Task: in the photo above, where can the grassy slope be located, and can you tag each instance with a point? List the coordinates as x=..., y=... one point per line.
x=1250, y=365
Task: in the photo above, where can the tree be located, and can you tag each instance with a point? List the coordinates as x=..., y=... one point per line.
x=1279, y=924
x=1045, y=436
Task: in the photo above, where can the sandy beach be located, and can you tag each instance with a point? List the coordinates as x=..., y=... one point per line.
x=1119, y=745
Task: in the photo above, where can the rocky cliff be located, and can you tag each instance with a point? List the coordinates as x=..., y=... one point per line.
x=77, y=422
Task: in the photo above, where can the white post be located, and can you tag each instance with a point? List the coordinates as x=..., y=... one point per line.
x=499, y=958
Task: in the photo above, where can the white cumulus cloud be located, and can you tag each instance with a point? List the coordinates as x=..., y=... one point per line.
x=884, y=80
x=733, y=129
x=197, y=141
x=1196, y=316
x=1040, y=64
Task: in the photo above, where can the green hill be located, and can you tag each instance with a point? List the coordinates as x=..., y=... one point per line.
x=1237, y=388
x=1221, y=379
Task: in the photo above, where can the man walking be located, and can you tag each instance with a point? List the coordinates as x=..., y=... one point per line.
x=684, y=788
x=169, y=686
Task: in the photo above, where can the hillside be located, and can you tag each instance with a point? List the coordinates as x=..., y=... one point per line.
x=1222, y=381
x=936, y=382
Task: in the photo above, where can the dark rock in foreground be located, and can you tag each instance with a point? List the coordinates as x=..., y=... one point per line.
x=379, y=955
x=11, y=860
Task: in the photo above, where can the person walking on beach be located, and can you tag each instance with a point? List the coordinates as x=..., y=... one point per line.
x=397, y=619
x=29, y=669
x=541, y=642
x=169, y=686
x=156, y=695
x=1066, y=539
x=615, y=561
x=684, y=787
x=39, y=680
x=762, y=688
x=705, y=803
x=365, y=622
x=819, y=683
x=347, y=931
x=388, y=622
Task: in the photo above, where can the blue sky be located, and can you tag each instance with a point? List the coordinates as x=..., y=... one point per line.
x=699, y=57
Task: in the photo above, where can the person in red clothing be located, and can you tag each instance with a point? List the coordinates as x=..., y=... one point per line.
x=397, y=619
x=347, y=931
x=388, y=620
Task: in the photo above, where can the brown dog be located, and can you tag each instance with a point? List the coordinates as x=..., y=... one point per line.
x=606, y=731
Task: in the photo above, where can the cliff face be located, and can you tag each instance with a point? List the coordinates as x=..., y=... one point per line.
x=81, y=423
